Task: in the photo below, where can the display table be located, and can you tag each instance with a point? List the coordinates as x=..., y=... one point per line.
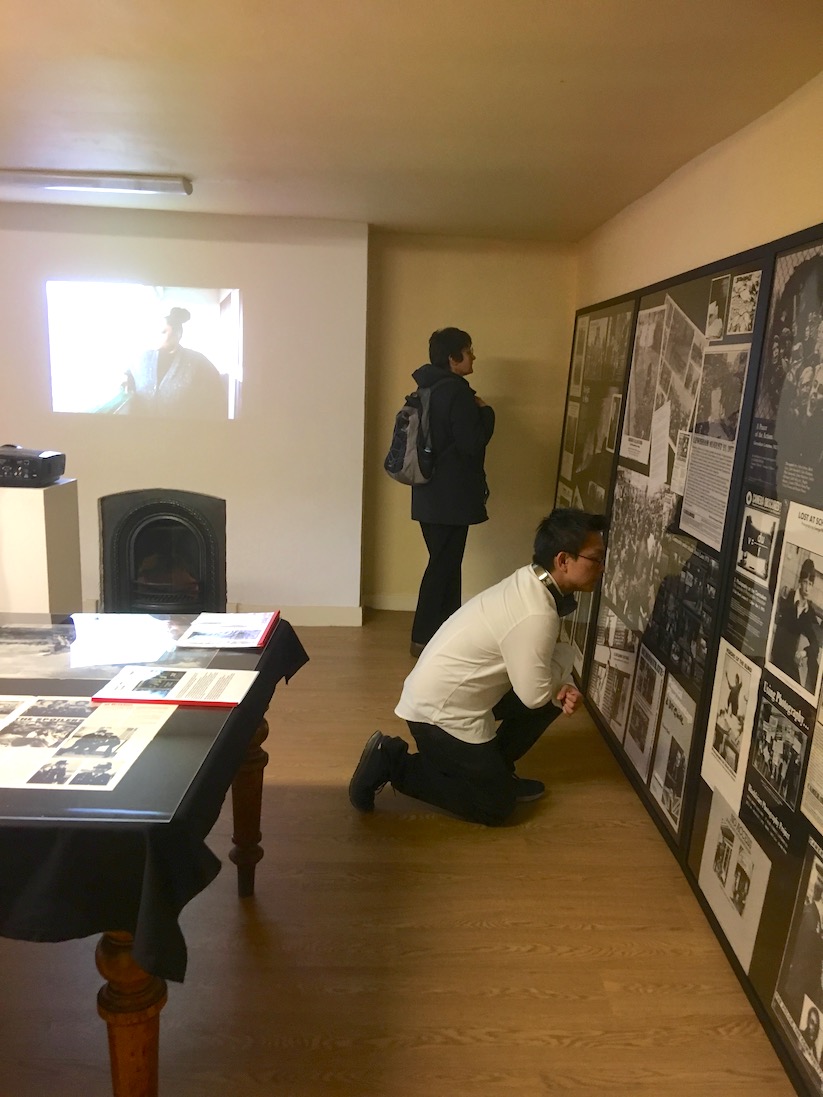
x=124, y=862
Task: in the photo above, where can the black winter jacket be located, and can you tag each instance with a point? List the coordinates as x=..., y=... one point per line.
x=456, y=494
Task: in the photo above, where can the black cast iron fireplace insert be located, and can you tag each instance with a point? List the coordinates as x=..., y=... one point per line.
x=162, y=551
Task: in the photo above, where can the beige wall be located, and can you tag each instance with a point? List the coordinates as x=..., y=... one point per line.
x=764, y=182
x=517, y=302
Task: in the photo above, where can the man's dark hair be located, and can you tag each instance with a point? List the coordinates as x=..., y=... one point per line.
x=565, y=530
x=446, y=343
x=808, y=570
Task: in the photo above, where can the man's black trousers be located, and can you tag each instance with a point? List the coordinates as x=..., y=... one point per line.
x=472, y=780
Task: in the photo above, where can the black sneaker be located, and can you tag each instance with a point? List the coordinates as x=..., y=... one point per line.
x=371, y=774
x=527, y=790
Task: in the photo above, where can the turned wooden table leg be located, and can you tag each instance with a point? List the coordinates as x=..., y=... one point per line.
x=130, y=1004
x=247, y=801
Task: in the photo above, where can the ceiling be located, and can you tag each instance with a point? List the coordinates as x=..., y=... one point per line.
x=514, y=118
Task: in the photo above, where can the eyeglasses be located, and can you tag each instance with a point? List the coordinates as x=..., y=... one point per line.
x=599, y=560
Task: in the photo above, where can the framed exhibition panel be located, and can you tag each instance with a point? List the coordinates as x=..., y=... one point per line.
x=761, y=787
x=701, y=656
x=594, y=405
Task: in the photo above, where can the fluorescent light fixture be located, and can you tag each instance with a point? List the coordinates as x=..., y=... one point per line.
x=99, y=182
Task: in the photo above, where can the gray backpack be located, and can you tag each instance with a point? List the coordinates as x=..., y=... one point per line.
x=410, y=459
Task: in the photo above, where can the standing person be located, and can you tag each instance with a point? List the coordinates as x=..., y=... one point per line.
x=496, y=659
x=460, y=426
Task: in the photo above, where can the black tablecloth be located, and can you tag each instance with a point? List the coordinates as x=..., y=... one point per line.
x=61, y=880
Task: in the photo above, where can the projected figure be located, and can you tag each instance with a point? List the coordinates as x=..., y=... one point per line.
x=172, y=380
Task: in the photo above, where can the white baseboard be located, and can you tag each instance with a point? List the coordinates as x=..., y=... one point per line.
x=403, y=602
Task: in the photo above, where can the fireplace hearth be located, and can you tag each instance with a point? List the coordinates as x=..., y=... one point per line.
x=162, y=551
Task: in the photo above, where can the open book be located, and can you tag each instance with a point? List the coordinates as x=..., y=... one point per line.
x=229, y=630
x=165, y=685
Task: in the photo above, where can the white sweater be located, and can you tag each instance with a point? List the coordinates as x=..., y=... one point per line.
x=503, y=638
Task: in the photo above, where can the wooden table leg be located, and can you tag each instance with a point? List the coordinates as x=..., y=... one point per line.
x=247, y=801
x=130, y=1004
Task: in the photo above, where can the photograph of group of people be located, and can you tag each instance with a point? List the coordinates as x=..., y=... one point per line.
x=779, y=751
x=59, y=742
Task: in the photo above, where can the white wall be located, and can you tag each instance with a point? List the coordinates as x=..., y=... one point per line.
x=291, y=478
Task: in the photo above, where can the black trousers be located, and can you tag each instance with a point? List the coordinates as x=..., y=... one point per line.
x=440, y=588
x=472, y=780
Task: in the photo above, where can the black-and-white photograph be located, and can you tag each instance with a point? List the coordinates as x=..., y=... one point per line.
x=730, y=723
x=637, y=562
x=99, y=741
x=569, y=439
x=637, y=423
x=578, y=355
x=733, y=876
x=38, y=731
x=77, y=708
x=729, y=718
x=614, y=421
x=741, y=880
x=589, y=455
x=57, y=771
x=789, y=403
x=721, y=392
x=35, y=652
x=681, y=368
x=758, y=537
x=610, y=680
x=778, y=751
x=743, y=303
x=716, y=312
x=580, y=628
x=644, y=711
x=796, y=627
x=683, y=613
x=100, y=773
x=671, y=754
x=9, y=704
x=798, y=997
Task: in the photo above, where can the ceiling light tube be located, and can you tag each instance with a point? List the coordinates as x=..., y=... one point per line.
x=110, y=182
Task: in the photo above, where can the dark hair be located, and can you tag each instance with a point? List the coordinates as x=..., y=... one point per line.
x=446, y=343
x=807, y=570
x=177, y=318
x=564, y=530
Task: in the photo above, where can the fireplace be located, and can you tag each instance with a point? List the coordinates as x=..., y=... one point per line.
x=162, y=551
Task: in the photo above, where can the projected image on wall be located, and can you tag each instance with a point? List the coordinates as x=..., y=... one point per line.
x=117, y=348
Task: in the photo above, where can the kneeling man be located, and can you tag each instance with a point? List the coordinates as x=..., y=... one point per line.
x=496, y=659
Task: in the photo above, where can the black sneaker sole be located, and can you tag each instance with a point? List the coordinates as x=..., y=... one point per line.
x=371, y=746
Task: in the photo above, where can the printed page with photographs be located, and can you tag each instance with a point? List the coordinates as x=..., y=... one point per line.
x=229, y=630
x=168, y=686
x=69, y=742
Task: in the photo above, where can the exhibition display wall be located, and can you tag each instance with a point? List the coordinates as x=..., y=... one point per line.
x=694, y=419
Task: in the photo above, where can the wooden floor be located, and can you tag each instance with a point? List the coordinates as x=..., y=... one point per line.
x=407, y=954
